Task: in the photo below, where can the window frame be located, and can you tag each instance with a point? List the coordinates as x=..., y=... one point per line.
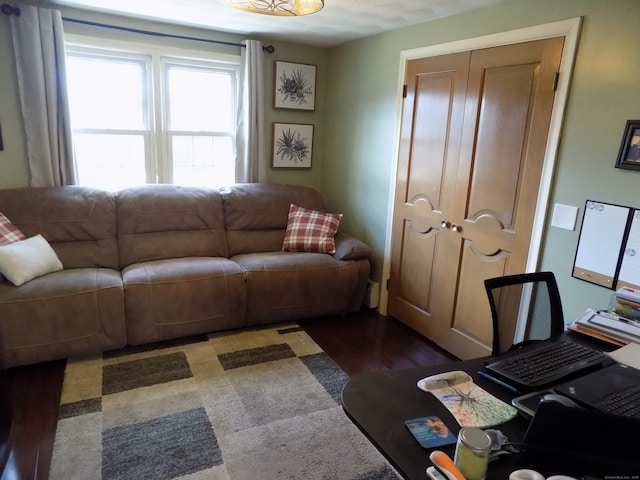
x=165, y=63
x=157, y=136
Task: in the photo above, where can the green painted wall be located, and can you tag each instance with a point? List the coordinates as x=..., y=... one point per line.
x=361, y=137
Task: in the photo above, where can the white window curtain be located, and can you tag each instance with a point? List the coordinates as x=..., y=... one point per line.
x=250, y=135
x=38, y=44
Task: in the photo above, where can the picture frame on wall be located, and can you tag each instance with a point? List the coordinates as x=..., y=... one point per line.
x=292, y=145
x=294, y=86
x=629, y=154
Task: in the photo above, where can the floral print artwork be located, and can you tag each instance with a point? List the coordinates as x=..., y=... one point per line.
x=292, y=145
x=294, y=86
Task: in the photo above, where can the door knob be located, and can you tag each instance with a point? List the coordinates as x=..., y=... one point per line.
x=456, y=228
x=444, y=224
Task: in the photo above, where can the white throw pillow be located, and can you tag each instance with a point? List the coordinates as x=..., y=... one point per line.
x=25, y=260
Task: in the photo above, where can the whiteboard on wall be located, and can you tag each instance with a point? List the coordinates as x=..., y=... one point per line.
x=629, y=275
x=603, y=231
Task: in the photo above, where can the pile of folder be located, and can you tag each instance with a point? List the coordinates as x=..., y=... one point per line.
x=620, y=324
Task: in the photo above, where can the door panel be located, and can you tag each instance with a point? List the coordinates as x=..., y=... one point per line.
x=500, y=136
x=430, y=144
x=433, y=113
x=481, y=180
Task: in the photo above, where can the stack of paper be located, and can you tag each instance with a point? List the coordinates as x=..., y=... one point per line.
x=608, y=326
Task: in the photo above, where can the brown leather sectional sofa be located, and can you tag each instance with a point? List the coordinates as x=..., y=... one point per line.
x=159, y=262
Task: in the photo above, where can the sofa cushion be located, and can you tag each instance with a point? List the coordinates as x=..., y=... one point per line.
x=78, y=222
x=157, y=222
x=310, y=231
x=67, y=313
x=173, y=298
x=256, y=214
x=285, y=286
x=25, y=260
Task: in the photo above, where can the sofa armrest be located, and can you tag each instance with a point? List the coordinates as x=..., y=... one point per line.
x=350, y=248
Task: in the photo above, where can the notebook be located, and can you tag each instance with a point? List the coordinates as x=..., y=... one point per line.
x=614, y=389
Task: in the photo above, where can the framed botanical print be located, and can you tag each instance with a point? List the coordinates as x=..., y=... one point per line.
x=294, y=86
x=292, y=145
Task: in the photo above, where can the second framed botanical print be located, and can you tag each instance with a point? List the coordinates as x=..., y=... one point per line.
x=294, y=86
x=292, y=145
x=629, y=154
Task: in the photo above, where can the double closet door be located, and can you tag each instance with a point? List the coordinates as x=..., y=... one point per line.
x=472, y=146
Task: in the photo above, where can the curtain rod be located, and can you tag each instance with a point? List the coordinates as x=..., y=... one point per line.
x=9, y=10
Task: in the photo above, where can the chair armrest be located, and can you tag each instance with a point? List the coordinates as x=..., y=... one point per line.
x=350, y=248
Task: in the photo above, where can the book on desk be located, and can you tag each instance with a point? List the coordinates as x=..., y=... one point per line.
x=607, y=326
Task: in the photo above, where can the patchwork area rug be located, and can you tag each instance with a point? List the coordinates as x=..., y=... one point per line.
x=257, y=404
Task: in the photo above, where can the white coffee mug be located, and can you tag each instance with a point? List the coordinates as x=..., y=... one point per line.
x=525, y=474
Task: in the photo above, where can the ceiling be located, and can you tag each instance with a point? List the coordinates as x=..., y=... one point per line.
x=338, y=22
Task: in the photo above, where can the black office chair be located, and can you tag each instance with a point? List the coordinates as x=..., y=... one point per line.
x=525, y=308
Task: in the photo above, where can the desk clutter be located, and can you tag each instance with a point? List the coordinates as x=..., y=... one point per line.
x=575, y=424
x=619, y=324
x=559, y=439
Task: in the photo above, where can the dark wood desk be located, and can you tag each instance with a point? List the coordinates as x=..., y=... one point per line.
x=379, y=403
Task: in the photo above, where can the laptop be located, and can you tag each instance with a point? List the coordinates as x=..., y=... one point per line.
x=614, y=389
x=578, y=441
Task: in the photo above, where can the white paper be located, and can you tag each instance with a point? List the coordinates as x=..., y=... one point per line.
x=601, y=235
x=630, y=269
x=629, y=355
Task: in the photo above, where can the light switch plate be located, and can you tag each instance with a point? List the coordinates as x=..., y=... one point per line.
x=564, y=216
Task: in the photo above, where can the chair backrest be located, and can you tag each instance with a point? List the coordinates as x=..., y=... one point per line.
x=524, y=308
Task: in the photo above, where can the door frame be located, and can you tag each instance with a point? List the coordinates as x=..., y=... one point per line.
x=570, y=29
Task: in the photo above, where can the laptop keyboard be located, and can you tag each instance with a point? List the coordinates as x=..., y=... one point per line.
x=625, y=403
x=538, y=367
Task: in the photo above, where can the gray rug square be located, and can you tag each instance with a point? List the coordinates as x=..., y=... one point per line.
x=161, y=448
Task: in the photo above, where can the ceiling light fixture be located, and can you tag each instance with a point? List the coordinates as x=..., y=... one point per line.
x=278, y=7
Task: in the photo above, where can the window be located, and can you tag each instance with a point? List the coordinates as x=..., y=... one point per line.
x=149, y=117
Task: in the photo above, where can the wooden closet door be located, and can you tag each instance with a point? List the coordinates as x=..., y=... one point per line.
x=471, y=218
x=433, y=114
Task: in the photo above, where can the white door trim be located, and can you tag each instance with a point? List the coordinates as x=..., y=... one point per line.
x=570, y=29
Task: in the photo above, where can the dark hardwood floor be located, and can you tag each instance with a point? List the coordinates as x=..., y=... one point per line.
x=358, y=343
x=368, y=342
